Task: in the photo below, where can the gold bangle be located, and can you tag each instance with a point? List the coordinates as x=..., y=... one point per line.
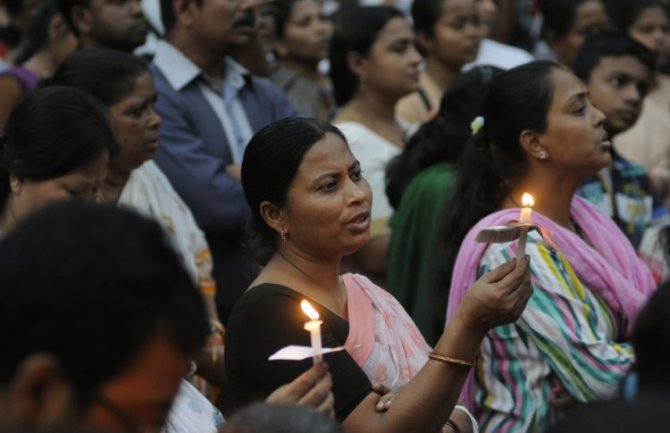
x=450, y=360
x=453, y=426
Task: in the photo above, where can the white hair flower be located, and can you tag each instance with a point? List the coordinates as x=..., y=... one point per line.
x=476, y=124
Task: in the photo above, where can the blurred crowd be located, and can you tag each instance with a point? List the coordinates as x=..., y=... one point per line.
x=176, y=176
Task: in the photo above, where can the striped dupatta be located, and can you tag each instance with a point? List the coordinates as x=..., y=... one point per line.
x=609, y=266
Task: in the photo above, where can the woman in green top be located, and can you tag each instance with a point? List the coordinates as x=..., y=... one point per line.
x=418, y=184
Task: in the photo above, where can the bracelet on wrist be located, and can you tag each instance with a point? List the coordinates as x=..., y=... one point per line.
x=453, y=426
x=449, y=360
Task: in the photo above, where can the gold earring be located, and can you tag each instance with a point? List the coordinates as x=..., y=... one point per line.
x=283, y=237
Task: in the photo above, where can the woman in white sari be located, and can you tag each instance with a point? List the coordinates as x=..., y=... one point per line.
x=133, y=179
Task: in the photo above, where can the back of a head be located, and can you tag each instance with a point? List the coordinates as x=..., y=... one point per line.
x=270, y=163
x=464, y=99
x=356, y=29
x=425, y=13
x=443, y=138
x=90, y=285
x=651, y=339
x=518, y=99
x=51, y=132
x=598, y=46
x=105, y=73
x=264, y=418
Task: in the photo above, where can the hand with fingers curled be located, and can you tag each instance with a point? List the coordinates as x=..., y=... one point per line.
x=313, y=388
x=498, y=297
x=386, y=396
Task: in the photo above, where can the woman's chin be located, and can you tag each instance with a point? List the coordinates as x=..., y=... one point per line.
x=400, y=91
x=595, y=168
x=361, y=241
x=605, y=161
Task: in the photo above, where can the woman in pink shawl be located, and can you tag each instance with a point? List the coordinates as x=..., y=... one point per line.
x=543, y=136
x=311, y=207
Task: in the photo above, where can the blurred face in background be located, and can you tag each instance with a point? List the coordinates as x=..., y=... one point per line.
x=590, y=17
x=118, y=24
x=20, y=18
x=306, y=34
x=136, y=125
x=456, y=34
x=244, y=22
x=392, y=66
x=617, y=86
x=82, y=183
x=488, y=16
x=652, y=29
x=265, y=25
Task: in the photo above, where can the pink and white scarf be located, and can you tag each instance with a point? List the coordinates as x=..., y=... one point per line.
x=382, y=339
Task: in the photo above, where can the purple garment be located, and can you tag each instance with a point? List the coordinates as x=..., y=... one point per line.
x=27, y=78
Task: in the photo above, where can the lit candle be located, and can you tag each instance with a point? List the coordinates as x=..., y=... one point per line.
x=314, y=328
x=524, y=219
x=527, y=201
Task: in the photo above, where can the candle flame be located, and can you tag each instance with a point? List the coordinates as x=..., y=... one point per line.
x=309, y=310
x=527, y=200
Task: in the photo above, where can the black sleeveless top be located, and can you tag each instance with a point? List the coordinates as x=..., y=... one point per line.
x=267, y=318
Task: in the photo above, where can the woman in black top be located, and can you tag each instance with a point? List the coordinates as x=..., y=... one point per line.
x=311, y=207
